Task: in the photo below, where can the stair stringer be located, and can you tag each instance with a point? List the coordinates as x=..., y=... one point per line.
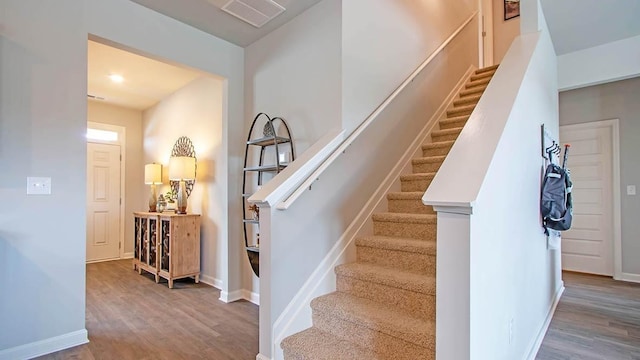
x=297, y=314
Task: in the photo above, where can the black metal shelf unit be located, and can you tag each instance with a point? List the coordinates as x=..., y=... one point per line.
x=274, y=140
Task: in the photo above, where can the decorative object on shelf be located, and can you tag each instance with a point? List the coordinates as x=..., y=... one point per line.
x=182, y=169
x=264, y=153
x=153, y=177
x=162, y=203
x=255, y=212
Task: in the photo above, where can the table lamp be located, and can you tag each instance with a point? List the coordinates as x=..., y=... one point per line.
x=182, y=168
x=153, y=177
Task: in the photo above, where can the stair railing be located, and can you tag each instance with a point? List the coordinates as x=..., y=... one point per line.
x=297, y=178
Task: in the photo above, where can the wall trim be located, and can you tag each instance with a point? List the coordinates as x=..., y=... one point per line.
x=229, y=297
x=535, y=347
x=629, y=277
x=251, y=296
x=46, y=346
x=127, y=255
x=297, y=313
x=211, y=281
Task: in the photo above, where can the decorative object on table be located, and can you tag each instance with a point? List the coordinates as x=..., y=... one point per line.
x=153, y=177
x=511, y=9
x=182, y=172
x=170, y=197
x=162, y=204
x=264, y=155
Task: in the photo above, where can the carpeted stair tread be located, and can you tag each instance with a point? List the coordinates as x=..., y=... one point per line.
x=314, y=344
x=437, y=145
x=446, y=132
x=377, y=317
x=419, y=176
x=427, y=160
x=398, y=244
x=467, y=100
x=472, y=91
x=405, y=195
x=394, y=278
x=461, y=110
x=477, y=83
x=486, y=69
x=482, y=75
x=405, y=218
x=453, y=122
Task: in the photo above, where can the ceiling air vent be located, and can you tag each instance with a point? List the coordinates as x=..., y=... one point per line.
x=255, y=12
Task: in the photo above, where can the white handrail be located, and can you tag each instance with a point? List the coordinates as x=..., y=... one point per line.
x=349, y=140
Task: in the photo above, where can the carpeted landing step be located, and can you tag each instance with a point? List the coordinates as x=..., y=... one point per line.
x=387, y=331
x=313, y=344
x=411, y=255
x=413, y=226
x=412, y=293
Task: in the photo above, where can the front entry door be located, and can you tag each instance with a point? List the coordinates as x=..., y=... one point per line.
x=588, y=246
x=103, y=202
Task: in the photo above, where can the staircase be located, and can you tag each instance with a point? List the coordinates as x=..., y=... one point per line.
x=384, y=306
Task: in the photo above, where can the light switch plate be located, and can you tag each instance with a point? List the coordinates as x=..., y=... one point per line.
x=38, y=186
x=631, y=189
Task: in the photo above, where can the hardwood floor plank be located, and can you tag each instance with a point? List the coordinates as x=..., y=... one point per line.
x=597, y=318
x=129, y=316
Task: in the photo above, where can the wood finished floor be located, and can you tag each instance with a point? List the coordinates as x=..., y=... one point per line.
x=597, y=319
x=129, y=316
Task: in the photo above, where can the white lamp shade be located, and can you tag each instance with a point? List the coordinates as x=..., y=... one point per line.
x=182, y=168
x=153, y=174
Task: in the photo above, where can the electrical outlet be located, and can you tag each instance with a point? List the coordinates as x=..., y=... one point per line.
x=38, y=185
x=631, y=189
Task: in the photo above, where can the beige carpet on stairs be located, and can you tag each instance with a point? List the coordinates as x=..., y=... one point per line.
x=384, y=306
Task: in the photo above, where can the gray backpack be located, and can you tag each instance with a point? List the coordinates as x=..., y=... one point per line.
x=556, y=203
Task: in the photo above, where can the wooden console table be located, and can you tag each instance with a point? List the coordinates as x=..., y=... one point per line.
x=167, y=245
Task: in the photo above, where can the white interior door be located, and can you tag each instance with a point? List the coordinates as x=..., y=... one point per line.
x=588, y=245
x=103, y=201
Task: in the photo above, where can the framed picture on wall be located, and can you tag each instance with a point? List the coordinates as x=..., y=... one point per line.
x=511, y=9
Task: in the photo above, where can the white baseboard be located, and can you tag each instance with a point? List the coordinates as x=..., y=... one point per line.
x=297, y=315
x=210, y=280
x=535, y=347
x=46, y=346
x=262, y=357
x=629, y=277
x=251, y=296
x=127, y=255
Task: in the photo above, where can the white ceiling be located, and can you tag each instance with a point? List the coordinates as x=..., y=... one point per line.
x=207, y=16
x=146, y=81
x=580, y=24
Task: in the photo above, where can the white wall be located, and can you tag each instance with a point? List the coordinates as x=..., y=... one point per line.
x=195, y=111
x=615, y=100
x=613, y=61
x=384, y=41
x=504, y=31
x=43, y=110
x=131, y=120
x=42, y=125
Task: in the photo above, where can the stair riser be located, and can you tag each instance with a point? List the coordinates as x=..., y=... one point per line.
x=444, y=125
x=444, y=137
x=436, y=151
x=470, y=100
x=388, y=346
x=406, y=230
x=483, y=75
x=426, y=167
x=401, y=260
x=472, y=92
x=412, y=206
x=415, y=185
x=476, y=83
x=419, y=305
x=459, y=112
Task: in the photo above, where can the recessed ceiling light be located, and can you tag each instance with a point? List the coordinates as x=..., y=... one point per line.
x=116, y=78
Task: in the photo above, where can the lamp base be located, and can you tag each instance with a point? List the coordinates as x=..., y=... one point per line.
x=153, y=200
x=181, y=204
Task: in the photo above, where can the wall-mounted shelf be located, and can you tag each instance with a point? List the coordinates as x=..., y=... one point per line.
x=262, y=157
